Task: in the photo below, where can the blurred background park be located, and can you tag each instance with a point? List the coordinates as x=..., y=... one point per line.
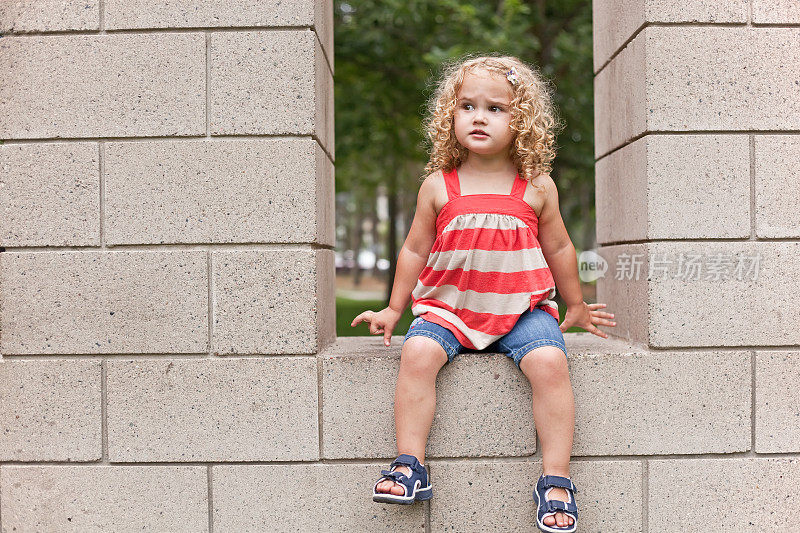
x=387, y=56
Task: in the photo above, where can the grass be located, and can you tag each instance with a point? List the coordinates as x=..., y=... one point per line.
x=347, y=309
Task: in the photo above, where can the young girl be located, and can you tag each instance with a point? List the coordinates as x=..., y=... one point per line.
x=485, y=251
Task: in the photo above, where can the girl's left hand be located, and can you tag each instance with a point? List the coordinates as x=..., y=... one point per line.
x=585, y=316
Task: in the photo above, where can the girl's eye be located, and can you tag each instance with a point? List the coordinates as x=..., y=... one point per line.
x=466, y=106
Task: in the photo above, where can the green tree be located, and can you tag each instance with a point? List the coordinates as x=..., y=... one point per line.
x=387, y=55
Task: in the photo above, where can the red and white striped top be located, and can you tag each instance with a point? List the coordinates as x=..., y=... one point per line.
x=486, y=266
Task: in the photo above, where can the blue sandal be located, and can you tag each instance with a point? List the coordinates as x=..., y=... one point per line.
x=416, y=487
x=551, y=507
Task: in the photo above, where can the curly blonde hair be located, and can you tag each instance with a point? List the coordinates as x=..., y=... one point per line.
x=533, y=116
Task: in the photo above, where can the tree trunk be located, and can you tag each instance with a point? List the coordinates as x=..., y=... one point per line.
x=391, y=234
x=358, y=238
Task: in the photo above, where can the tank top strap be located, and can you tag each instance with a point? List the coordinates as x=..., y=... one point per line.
x=518, y=190
x=451, y=182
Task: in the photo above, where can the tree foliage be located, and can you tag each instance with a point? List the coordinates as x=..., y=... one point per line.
x=387, y=56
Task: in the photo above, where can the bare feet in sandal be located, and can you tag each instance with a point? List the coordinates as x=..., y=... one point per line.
x=392, y=487
x=559, y=519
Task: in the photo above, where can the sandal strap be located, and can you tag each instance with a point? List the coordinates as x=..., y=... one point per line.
x=558, y=481
x=396, y=475
x=405, y=459
x=557, y=505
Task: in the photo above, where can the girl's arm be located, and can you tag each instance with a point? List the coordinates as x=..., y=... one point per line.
x=411, y=261
x=559, y=252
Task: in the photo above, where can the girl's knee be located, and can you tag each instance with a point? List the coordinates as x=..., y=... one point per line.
x=545, y=361
x=422, y=355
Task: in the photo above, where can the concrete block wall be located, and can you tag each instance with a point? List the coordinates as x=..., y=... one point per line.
x=697, y=140
x=166, y=260
x=167, y=351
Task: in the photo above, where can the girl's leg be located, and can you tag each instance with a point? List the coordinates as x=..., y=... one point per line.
x=553, y=414
x=421, y=358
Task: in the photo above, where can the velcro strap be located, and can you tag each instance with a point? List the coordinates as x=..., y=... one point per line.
x=559, y=481
x=396, y=475
x=555, y=505
x=404, y=460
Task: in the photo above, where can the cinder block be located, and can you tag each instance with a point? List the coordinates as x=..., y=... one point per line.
x=323, y=25
x=326, y=298
x=732, y=494
x=252, y=70
x=478, y=495
x=643, y=191
x=621, y=194
x=20, y=16
x=662, y=410
x=131, y=14
x=776, y=11
x=91, y=302
x=620, y=94
x=777, y=165
x=104, y=498
x=704, y=294
x=739, y=83
x=50, y=410
x=483, y=405
x=693, y=78
x=777, y=401
x=306, y=497
x=272, y=301
x=218, y=191
x=50, y=194
x=624, y=288
x=102, y=85
x=213, y=410
x=615, y=21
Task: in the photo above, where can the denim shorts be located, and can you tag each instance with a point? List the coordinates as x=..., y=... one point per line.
x=533, y=329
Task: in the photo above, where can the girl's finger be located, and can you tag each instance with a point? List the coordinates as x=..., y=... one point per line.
x=598, y=332
x=597, y=319
x=366, y=316
x=604, y=322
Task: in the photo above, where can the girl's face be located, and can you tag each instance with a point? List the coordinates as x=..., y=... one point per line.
x=483, y=104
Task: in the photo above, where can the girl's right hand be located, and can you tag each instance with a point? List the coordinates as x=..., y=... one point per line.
x=381, y=322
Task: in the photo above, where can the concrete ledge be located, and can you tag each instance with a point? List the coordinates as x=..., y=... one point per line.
x=629, y=401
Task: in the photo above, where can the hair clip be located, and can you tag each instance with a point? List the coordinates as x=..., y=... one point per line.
x=513, y=76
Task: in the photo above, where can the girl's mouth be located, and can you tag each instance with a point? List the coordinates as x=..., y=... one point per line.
x=479, y=135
